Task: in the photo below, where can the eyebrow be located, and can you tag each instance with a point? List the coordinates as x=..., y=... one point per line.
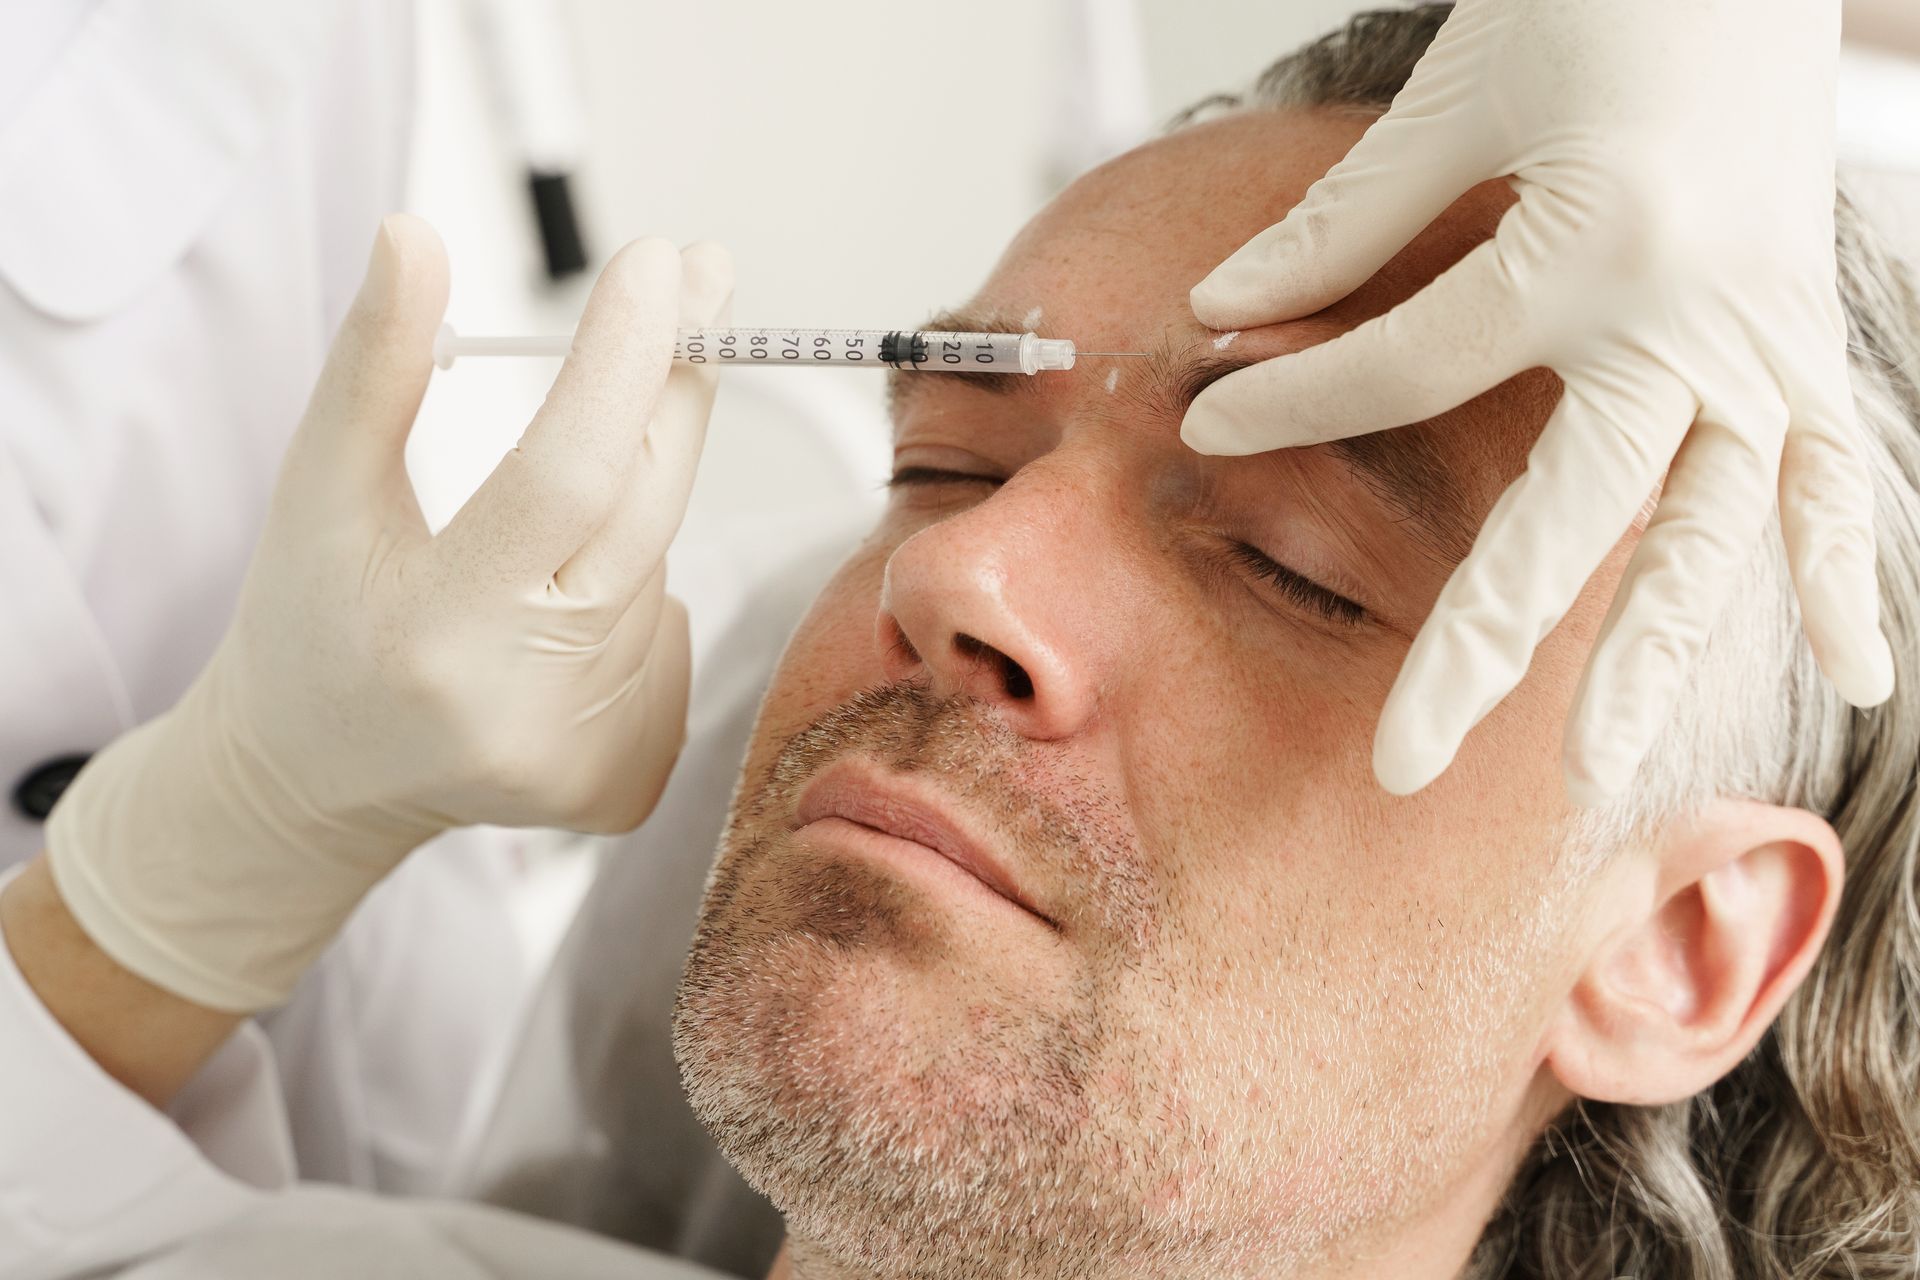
x=1400, y=467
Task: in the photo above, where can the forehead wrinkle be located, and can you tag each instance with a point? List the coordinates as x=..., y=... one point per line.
x=1180, y=365
x=1153, y=387
x=1185, y=362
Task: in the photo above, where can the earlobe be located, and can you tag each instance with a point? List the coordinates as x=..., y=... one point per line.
x=1713, y=931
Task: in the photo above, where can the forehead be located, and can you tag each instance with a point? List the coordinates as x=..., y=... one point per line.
x=1111, y=260
x=1154, y=221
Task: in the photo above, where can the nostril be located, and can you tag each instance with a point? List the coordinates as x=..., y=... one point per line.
x=1013, y=677
x=1019, y=683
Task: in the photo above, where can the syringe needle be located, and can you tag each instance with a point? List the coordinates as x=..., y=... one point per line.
x=1137, y=355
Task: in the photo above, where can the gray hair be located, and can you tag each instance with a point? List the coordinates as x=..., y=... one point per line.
x=1804, y=1160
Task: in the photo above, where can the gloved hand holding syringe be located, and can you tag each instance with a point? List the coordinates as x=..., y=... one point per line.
x=382, y=681
x=913, y=350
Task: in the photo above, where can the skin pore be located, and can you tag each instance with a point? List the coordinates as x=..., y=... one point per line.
x=1249, y=1014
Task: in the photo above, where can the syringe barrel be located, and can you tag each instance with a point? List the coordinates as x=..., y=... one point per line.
x=914, y=350
x=790, y=347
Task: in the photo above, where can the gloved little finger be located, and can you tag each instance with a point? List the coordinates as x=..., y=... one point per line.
x=1826, y=521
x=628, y=547
x=1583, y=484
x=548, y=495
x=1712, y=510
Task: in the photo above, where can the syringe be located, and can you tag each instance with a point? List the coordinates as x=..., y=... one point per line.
x=914, y=350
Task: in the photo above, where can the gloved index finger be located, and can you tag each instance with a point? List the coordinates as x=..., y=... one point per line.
x=1400, y=176
x=350, y=445
x=1423, y=154
x=627, y=548
x=1466, y=332
x=561, y=482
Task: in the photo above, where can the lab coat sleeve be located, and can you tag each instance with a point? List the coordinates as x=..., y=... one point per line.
x=324, y=1233
x=92, y=1176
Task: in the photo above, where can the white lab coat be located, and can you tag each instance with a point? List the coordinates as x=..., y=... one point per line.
x=93, y=1181
x=188, y=191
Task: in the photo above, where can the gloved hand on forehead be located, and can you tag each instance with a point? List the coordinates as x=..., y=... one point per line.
x=1671, y=257
x=380, y=684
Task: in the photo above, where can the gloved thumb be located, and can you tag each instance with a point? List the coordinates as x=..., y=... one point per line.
x=1428, y=149
x=349, y=450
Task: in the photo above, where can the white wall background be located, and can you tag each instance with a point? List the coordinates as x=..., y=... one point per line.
x=865, y=162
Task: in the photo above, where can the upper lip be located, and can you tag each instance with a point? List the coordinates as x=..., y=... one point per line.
x=873, y=797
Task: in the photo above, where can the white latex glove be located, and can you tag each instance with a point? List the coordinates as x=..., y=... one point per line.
x=1671, y=257
x=379, y=684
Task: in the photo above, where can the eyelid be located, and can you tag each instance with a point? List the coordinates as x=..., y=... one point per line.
x=1299, y=588
x=1293, y=584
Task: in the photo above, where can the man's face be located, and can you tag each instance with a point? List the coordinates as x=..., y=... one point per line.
x=1186, y=992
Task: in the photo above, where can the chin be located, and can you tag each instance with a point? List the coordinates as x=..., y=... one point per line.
x=913, y=1113
x=849, y=1064
x=861, y=1065
x=842, y=984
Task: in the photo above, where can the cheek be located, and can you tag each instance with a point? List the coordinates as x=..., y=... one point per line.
x=1250, y=741
x=831, y=655
x=1290, y=873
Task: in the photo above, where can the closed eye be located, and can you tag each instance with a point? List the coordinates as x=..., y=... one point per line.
x=908, y=476
x=1299, y=589
x=1296, y=587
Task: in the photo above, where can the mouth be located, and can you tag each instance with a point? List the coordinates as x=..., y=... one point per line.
x=883, y=811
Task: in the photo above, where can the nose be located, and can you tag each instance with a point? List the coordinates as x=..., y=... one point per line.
x=997, y=603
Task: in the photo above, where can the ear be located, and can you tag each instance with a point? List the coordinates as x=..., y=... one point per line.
x=1715, y=930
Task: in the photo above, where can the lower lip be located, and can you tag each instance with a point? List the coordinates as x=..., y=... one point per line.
x=910, y=856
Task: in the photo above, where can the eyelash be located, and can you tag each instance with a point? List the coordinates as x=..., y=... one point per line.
x=907, y=476
x=1302, y=591
x=1298, y=589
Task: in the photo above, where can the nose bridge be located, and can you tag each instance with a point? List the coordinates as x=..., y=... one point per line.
x=1007, y=601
